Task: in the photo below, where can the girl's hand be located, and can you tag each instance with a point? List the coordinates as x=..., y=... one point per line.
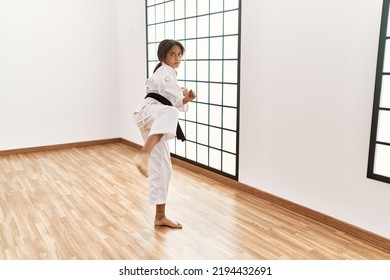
x=189, y=95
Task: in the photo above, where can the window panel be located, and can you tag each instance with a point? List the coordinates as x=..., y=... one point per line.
x=190, y=70
x=203, y=26
x=152, y=33
x=230, y=95
x=190, y=52
x=203, y=155
x=230, y=26
x=385, y=92
x=190, y=131
x=229, y=163
x=215, y=71
x=179, y=10
x=203, y=7
x=216, y=94
x=215, y=116
x=209, y=30
x=203, y=134
x=229, y=118
x=160, y=15
x=229, y=141
x=215, y=137
x=169, y=11
x=230, y=71
x=215, y=48
x=203, y=70
x=382, y=160
x=384, y=126
x=191, y=150
x=230, y=47
x=203, y=49
x=215, y=158
x=386, y=63
x=203, y=111
x=216, y=6
x=202, y=94
x=190, y=8
x=216, y=24
x=191, y=28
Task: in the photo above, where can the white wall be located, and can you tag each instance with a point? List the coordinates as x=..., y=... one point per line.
x=58, y=72
x=307, y=84
x=132, y=64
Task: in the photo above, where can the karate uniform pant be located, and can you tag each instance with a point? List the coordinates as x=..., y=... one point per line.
x=155, y=118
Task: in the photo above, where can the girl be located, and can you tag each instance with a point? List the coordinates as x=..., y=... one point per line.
x=157, y=118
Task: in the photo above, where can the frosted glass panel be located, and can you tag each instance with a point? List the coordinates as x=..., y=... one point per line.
x=229, y=163
x=203, y=70
x=215, y=159
x=385, y=92
x=160, y=33
x=215, y=137
x=230, y=47
x=151, y=15
x=179, y=29
x=215, y=116
x=202, y=95
x=190, y=8
x=203, y=7
x=203, y=112
x=169, y=11
x=160, y=13
x=179, y=9
x=216, y=27
x=230, y=23
x=216, y=71
x=191, y=150
x=203, y=155
x=216, y=48
x=191, y=70
x=192, y=113
x=203, y=134
x=230, y=71
x=230, y=118
x=190, y=52
x=190, y=131
x=191, y=28
x=384, y=126
x=231, y=4
x=382, y=160
x=203, y=49
x=181, y=70
x=216, y=94
x=230, y=95
x=229, y=141
x=216, y=5
x=386, y=62
x=169, y=30
x=152, y=33
x=203, y=26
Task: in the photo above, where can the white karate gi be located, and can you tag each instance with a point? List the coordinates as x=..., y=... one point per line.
x=152, y=117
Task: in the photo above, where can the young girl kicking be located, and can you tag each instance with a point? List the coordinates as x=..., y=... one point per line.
x=158, y=120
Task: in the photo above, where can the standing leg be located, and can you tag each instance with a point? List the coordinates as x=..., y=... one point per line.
x=161, y=220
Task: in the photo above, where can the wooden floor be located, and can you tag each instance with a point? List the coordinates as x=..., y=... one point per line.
x=91, y=203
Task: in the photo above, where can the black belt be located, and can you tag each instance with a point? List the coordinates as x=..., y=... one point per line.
x=163, y=100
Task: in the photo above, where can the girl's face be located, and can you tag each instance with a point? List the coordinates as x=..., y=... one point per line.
x=174, y=56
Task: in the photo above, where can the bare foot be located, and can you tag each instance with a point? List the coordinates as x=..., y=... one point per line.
x=141, y=161
x=167, y=222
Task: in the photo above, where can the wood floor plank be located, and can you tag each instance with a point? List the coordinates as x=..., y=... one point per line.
x=91, y=203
